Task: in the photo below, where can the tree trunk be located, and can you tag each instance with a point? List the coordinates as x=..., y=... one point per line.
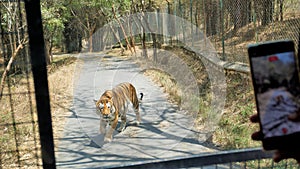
x=182, y=25
x=117, y=37
x=72, y=40
x=268, y=8
x=123, y=30
x=47, y=54
x=281, y=9
x=204, y=20
x=132, y=43
x=169, y=23
x=145, y=53
x=131, y=20
x=143, y=34
x=90, y=41
x=208, y=18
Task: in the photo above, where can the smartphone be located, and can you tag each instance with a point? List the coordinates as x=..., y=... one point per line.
x=275, y=79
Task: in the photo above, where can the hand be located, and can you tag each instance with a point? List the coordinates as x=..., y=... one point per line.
x=279, y=154
x=258, y=136
x=295, y=116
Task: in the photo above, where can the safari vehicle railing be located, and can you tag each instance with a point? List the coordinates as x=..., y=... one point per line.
x=242, y=158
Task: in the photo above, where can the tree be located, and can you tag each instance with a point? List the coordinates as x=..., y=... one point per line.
x=122, y=28
x=13, y=28
x=12, y=39
x=9, y=65
x=268, y=9
x=86, y=16
x=211, y=17
x=54, y=15
x=265, y=10
x=239, y=11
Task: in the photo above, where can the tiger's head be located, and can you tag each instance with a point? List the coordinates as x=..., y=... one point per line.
x=105, y=106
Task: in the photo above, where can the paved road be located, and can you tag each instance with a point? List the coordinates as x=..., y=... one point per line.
x=165, y=132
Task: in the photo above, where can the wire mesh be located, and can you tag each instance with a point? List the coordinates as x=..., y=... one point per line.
x=233, y=159
x=259, y=21
x=232, y=24
x=229, y=24
x=19, y=142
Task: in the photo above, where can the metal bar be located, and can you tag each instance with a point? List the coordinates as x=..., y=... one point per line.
x=13, y=33
x=17, y=123
x=15, y=93
x=39, y=70
x=21, y=150
x=2, y=1
x=221, y=157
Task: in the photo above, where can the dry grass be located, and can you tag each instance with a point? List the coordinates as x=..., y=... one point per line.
x=18, y=120
x=167, y=83
x=18, y=126
x=61, y=81
x=234, y=128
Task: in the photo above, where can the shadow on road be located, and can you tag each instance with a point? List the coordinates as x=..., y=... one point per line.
x=165, y=131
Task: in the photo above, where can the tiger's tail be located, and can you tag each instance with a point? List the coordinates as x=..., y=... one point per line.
x=142, y=95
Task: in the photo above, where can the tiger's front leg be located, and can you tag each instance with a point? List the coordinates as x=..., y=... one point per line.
x=109, y=133
x=103, y=125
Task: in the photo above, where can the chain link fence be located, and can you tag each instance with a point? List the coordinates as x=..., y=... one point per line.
x=19, y=141
x=233, y=24
x=230, y=24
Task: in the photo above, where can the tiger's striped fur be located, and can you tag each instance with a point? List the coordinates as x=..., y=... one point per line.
x=113, y=104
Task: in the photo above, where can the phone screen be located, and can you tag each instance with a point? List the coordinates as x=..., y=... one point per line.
x=276, y=82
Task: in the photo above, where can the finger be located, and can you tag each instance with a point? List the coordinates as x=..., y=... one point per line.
x=280, y=155
x=254, y=118
x=257, y=136
x=294, y=117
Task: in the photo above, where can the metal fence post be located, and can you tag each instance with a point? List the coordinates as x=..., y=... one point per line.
x=38, y=62
x=222, y=30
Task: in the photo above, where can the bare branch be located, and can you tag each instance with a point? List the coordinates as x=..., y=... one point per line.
x=73, y=13
x=11, y=60
x=122, y=28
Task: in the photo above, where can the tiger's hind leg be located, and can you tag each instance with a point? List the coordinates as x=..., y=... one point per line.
x=138, y=116
x=136, y=107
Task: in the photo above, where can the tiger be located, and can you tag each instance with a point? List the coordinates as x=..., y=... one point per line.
x=113, y=104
